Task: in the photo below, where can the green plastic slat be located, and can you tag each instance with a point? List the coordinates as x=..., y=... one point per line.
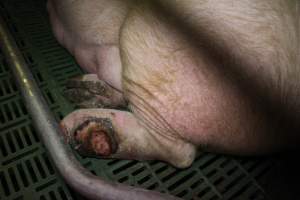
x=26, y=172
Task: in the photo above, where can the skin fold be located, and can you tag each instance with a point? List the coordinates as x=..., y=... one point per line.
x=220, y=76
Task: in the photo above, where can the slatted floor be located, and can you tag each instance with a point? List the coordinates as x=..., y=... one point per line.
x=26, y=172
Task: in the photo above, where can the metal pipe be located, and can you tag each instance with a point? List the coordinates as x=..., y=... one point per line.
x=79, y=178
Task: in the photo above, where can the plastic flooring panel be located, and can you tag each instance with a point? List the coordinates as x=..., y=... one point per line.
x=26, y=172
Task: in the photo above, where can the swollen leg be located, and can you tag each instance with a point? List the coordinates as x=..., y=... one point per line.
x=110, y=133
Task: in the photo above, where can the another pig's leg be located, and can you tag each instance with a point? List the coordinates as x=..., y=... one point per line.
x=117, y=134
x=87, y=91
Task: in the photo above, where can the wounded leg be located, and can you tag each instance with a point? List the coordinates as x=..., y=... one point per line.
x=87, y=91
x=110, y=133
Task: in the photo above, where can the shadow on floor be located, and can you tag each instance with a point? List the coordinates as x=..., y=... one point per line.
x=282, y=182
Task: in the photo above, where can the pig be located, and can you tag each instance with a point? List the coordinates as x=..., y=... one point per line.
x=168, y=78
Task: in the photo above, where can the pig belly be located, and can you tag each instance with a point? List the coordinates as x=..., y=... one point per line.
x=176, y=87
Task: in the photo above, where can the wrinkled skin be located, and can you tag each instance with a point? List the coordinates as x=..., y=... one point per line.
x=223, y=76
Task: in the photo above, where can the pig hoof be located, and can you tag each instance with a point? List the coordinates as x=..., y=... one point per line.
x=86, y=93
x=95, y=138
x=89, y=92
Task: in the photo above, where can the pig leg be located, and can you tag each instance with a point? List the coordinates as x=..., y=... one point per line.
x=89, y=30
x=57, y=27
x=87, y=91
x=110, y=133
